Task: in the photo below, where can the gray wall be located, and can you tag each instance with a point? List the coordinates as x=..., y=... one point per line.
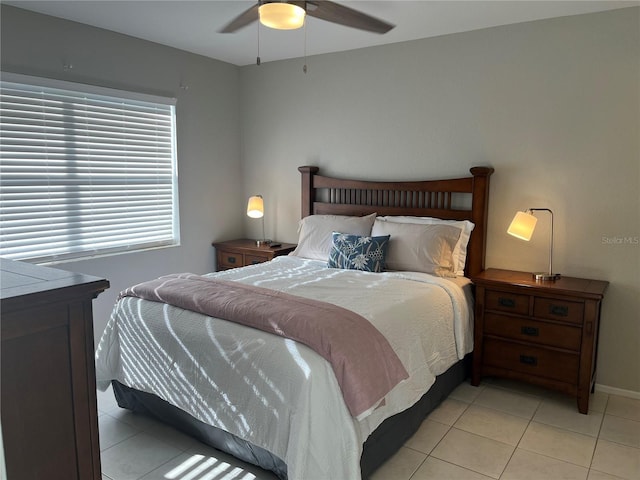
x=207, y=129
x=552, y=105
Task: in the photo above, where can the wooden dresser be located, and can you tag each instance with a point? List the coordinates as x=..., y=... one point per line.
x=49, y=410
x=243, y=252
x=545, y=333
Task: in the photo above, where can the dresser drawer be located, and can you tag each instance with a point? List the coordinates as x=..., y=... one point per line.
x=535, y=361
x=562, y=310
x=230, y=260
x=532, y=331
x=253, y=259
x=507, y=302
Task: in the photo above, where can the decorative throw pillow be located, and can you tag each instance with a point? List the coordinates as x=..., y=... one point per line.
x=314, y=238
x=356, y=252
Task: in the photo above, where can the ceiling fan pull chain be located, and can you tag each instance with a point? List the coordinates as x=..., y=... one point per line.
x=304, y=67
x=258, y=57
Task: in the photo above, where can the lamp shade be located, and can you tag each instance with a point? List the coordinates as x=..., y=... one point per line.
x=255, y=207
x=522, y=226
x=281, y=16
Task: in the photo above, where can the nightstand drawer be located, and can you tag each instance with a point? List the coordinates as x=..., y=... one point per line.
x=561, y=310
x=253, y=259
x=531, y=331
x=534, y=361
x=230, y=260
x=544, y=333
x=243, y=252
x=507, y=302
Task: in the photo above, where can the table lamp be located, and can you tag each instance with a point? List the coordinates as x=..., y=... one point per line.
x=522, y=227
x=255, y=209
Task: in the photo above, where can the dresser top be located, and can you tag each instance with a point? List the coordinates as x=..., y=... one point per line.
x=18, y=280
x=583, y=287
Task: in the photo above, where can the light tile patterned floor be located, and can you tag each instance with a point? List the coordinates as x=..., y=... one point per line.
x=501, y=430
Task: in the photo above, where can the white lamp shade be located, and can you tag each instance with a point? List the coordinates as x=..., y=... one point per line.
x=255, y=207
x=522, y=226
x=281, y=16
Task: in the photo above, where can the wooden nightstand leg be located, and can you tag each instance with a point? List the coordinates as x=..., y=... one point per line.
x=583, y=403
x=478, y=346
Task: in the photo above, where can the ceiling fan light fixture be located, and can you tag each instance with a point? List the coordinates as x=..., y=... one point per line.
x=281, y=16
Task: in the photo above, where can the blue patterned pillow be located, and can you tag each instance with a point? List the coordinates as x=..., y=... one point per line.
x=357, y=252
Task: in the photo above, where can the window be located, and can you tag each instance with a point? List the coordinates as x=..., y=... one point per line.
x=84, y=170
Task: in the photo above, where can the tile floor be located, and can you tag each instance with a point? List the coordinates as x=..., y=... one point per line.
x=501, y=430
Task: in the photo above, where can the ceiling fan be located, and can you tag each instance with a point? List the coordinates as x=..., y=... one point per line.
x=292, y=13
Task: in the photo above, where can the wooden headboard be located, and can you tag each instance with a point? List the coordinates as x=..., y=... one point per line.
x=426, y=198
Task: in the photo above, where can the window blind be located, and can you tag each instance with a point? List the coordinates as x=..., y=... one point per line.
x=84, y=170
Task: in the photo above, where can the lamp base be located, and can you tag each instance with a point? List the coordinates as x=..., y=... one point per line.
x=545, y=276
x=261, y=243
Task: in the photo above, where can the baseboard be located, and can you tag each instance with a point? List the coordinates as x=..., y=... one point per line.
x=617, y=391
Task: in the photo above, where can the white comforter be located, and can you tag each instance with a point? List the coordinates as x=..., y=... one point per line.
x=274, y=392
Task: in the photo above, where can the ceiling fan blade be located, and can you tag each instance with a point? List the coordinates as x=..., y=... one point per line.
x=336, y=13
x=245, y=18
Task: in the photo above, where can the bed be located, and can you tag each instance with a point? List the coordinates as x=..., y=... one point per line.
x=277, y=403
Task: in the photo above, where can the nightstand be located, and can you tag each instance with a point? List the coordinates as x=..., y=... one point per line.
x=243, y=252
x=544, y=333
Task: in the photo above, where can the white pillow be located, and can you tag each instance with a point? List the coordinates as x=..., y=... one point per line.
x=315, y=233
x=460, y=251
x=415, y=247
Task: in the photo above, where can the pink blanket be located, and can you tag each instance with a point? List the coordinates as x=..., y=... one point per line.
x=364, y=363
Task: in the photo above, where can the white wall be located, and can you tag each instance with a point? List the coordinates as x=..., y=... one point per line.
x=211, y=205
x=552, y=105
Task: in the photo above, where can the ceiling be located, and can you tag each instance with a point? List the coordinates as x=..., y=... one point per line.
x=193, y=25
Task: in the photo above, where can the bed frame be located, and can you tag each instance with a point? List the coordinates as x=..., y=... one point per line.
x=327, y=195
x=465, y=198
x=429, y=198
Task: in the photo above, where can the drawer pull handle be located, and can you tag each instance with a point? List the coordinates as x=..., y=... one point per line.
x=531, y=331
x=559, y=310
x=254, y=262
x=528, y=360
x=231, y=259
x=506, y=302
